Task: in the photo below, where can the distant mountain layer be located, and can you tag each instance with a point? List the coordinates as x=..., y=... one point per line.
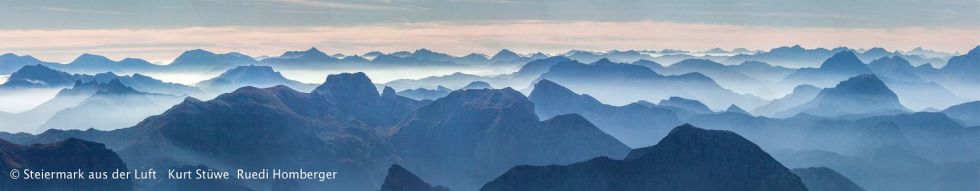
x=913, y=90
x=688, y=158
x=34, y=76
x=840, y=66
x=864, y=94
x=477, y=85
x=800, y=95
x=40, y=76
x=968, y=113
x=66, y=155
x=115, y=105
x=606, y=81
x=735, y=109
x=202, y=60
x=310, y=56
x=637, y=125
x=423, y=94
x=466, y=138
x=12, y=62
x=685, y=104
x=89, y=63
x=799, y=57
x=257, y=76
x=964, y=68
x=90, y=104
x=724, y=75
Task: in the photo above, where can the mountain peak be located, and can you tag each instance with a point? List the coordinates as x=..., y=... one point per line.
x=91, y=59
x=423, y=50
x=251, y=72
x=489, y=98
x=735, y=109
x=388, y=91
x=475, y=56
x=312, y=54
x=892, y=62
x=400, y=179
x=206, y=58
x=603, y=61
x=845, y=61
x=895, y=59
x=687, y=139
x=863, y=83
x=91, y=56
x=894, y=68
x=688, y=158
x=34, y=68
x=348, y=85
x=551, y=88
x=114, y=86
x=687, y=104
x=504, y=55
x=191, y=56
x=700, y=64
x=477, y=85
x=965, y=66
x=31, y=75
x=805, y=88
x=876, y=50
x=197, y=52
x=132, y=60
x=862, y=94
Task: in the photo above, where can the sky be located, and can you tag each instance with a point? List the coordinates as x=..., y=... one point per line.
x=159, y=30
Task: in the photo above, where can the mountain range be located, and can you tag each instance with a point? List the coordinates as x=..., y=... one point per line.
x=41, y=76
x=800, y=95
x=466, y=138
x=352, y=137
x=223, y=133
x=251, y=75
x=634, y=124
x=72, y=108
x=425, y=94
x=202, y=60
x=604, y=80
x=840, y=66
x=586, y=122
x=860, y=95
x=688, y=158
x=799, y=57
x=11, y=62
x=966, y=113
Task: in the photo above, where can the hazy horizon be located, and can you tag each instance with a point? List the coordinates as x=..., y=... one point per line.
x=159, y=30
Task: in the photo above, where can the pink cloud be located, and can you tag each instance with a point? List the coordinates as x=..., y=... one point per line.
x=527, y=36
